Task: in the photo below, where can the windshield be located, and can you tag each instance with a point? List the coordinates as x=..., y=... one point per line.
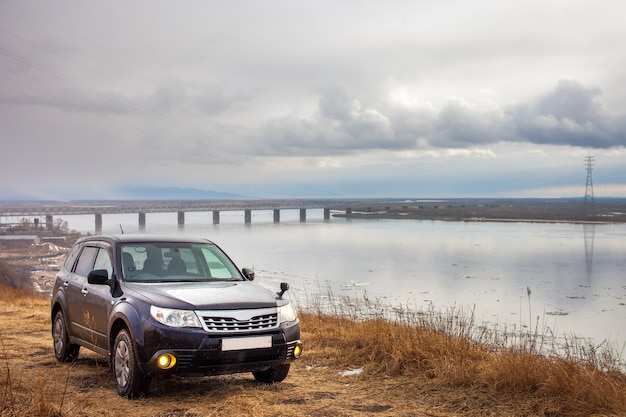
x=175, y=261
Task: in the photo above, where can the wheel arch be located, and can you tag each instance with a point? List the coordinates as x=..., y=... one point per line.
x=125, y=318
x=58, y=304
x=117, y=325
x=55, y=309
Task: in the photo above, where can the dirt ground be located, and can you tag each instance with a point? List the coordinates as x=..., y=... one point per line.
x=34, y=383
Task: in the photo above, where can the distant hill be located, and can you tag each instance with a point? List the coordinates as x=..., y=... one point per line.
x=174, y=193
x=8, y=195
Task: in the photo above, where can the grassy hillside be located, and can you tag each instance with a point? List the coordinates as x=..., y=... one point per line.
x=418, y=366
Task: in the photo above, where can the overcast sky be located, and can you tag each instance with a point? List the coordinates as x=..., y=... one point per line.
x=273, y=99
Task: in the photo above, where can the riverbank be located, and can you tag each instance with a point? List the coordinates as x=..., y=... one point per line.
x=601, y=211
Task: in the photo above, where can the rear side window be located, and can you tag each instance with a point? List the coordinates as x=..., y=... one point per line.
x=86, y=260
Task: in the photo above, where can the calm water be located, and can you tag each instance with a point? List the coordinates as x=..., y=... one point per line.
x=576, y=273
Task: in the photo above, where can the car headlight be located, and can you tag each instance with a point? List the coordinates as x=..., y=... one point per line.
x=286, y=313
x=175, y=318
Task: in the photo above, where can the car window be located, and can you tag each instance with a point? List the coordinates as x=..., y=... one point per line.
x=180, y=260
x=71, y=257
x=216, y=264
x=86, y=260
x=103, y=261
x=175, y=261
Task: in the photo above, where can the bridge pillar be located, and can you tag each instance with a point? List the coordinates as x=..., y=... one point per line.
x=181, y=218
x=49, y=221
x=302, y=215
x=98, y=222
x=36, y=221
x=326, y=214
x=276, y=215
x=142, y=220
x=247, y=214
x=216, y=217
x=348, y=211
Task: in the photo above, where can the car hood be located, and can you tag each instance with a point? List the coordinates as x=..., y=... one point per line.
x=219, y=295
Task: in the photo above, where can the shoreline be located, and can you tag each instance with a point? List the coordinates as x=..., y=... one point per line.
x=526, y=211
x=369, y=216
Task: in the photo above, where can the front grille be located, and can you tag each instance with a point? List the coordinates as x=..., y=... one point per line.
x=231, y=324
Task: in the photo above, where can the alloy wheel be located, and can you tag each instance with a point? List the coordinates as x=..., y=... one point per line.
x=59, y=335
x=122, y=363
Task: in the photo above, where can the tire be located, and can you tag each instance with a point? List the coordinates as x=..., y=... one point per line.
x=129, y=380
x=273, y=374
x=64, y=351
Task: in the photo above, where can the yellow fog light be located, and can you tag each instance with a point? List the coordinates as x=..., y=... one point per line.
x=166, y=361
x=297, y=351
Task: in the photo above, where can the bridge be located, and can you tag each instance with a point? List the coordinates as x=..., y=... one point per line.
x=48, y=210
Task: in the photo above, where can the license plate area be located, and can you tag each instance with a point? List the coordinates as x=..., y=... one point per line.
x=243, y=343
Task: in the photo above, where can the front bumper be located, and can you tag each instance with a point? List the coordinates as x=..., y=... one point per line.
x=197, y=352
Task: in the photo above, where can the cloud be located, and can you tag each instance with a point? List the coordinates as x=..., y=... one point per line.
x=460, y=125
x=341, y=124
x=571, y=114
x=204, y=95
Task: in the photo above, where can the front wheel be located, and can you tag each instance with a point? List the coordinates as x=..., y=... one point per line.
x=64, y=351
x=273, y=374
x=129, y=380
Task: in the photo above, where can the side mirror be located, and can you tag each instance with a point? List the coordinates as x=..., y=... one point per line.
x=283, y=287
x=248, y=274
x=98, y=276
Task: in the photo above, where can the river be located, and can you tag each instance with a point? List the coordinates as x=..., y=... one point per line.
x=563, y=278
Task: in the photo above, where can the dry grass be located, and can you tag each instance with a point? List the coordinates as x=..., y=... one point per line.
x=408, y=369
x=524, y=382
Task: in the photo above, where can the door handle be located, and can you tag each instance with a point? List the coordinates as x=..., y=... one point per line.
x=84, y=291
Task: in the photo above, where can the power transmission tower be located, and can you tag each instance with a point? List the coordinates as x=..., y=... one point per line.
x=590, y=202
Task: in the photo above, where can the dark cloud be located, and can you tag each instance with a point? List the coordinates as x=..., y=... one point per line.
x=571, y=114
x=460, y=125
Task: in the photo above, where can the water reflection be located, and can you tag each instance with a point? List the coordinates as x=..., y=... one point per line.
x=589, y=232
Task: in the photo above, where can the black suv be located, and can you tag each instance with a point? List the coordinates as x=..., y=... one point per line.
x=161, y=305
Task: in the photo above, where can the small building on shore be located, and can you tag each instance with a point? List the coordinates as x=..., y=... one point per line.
x=29, y=239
